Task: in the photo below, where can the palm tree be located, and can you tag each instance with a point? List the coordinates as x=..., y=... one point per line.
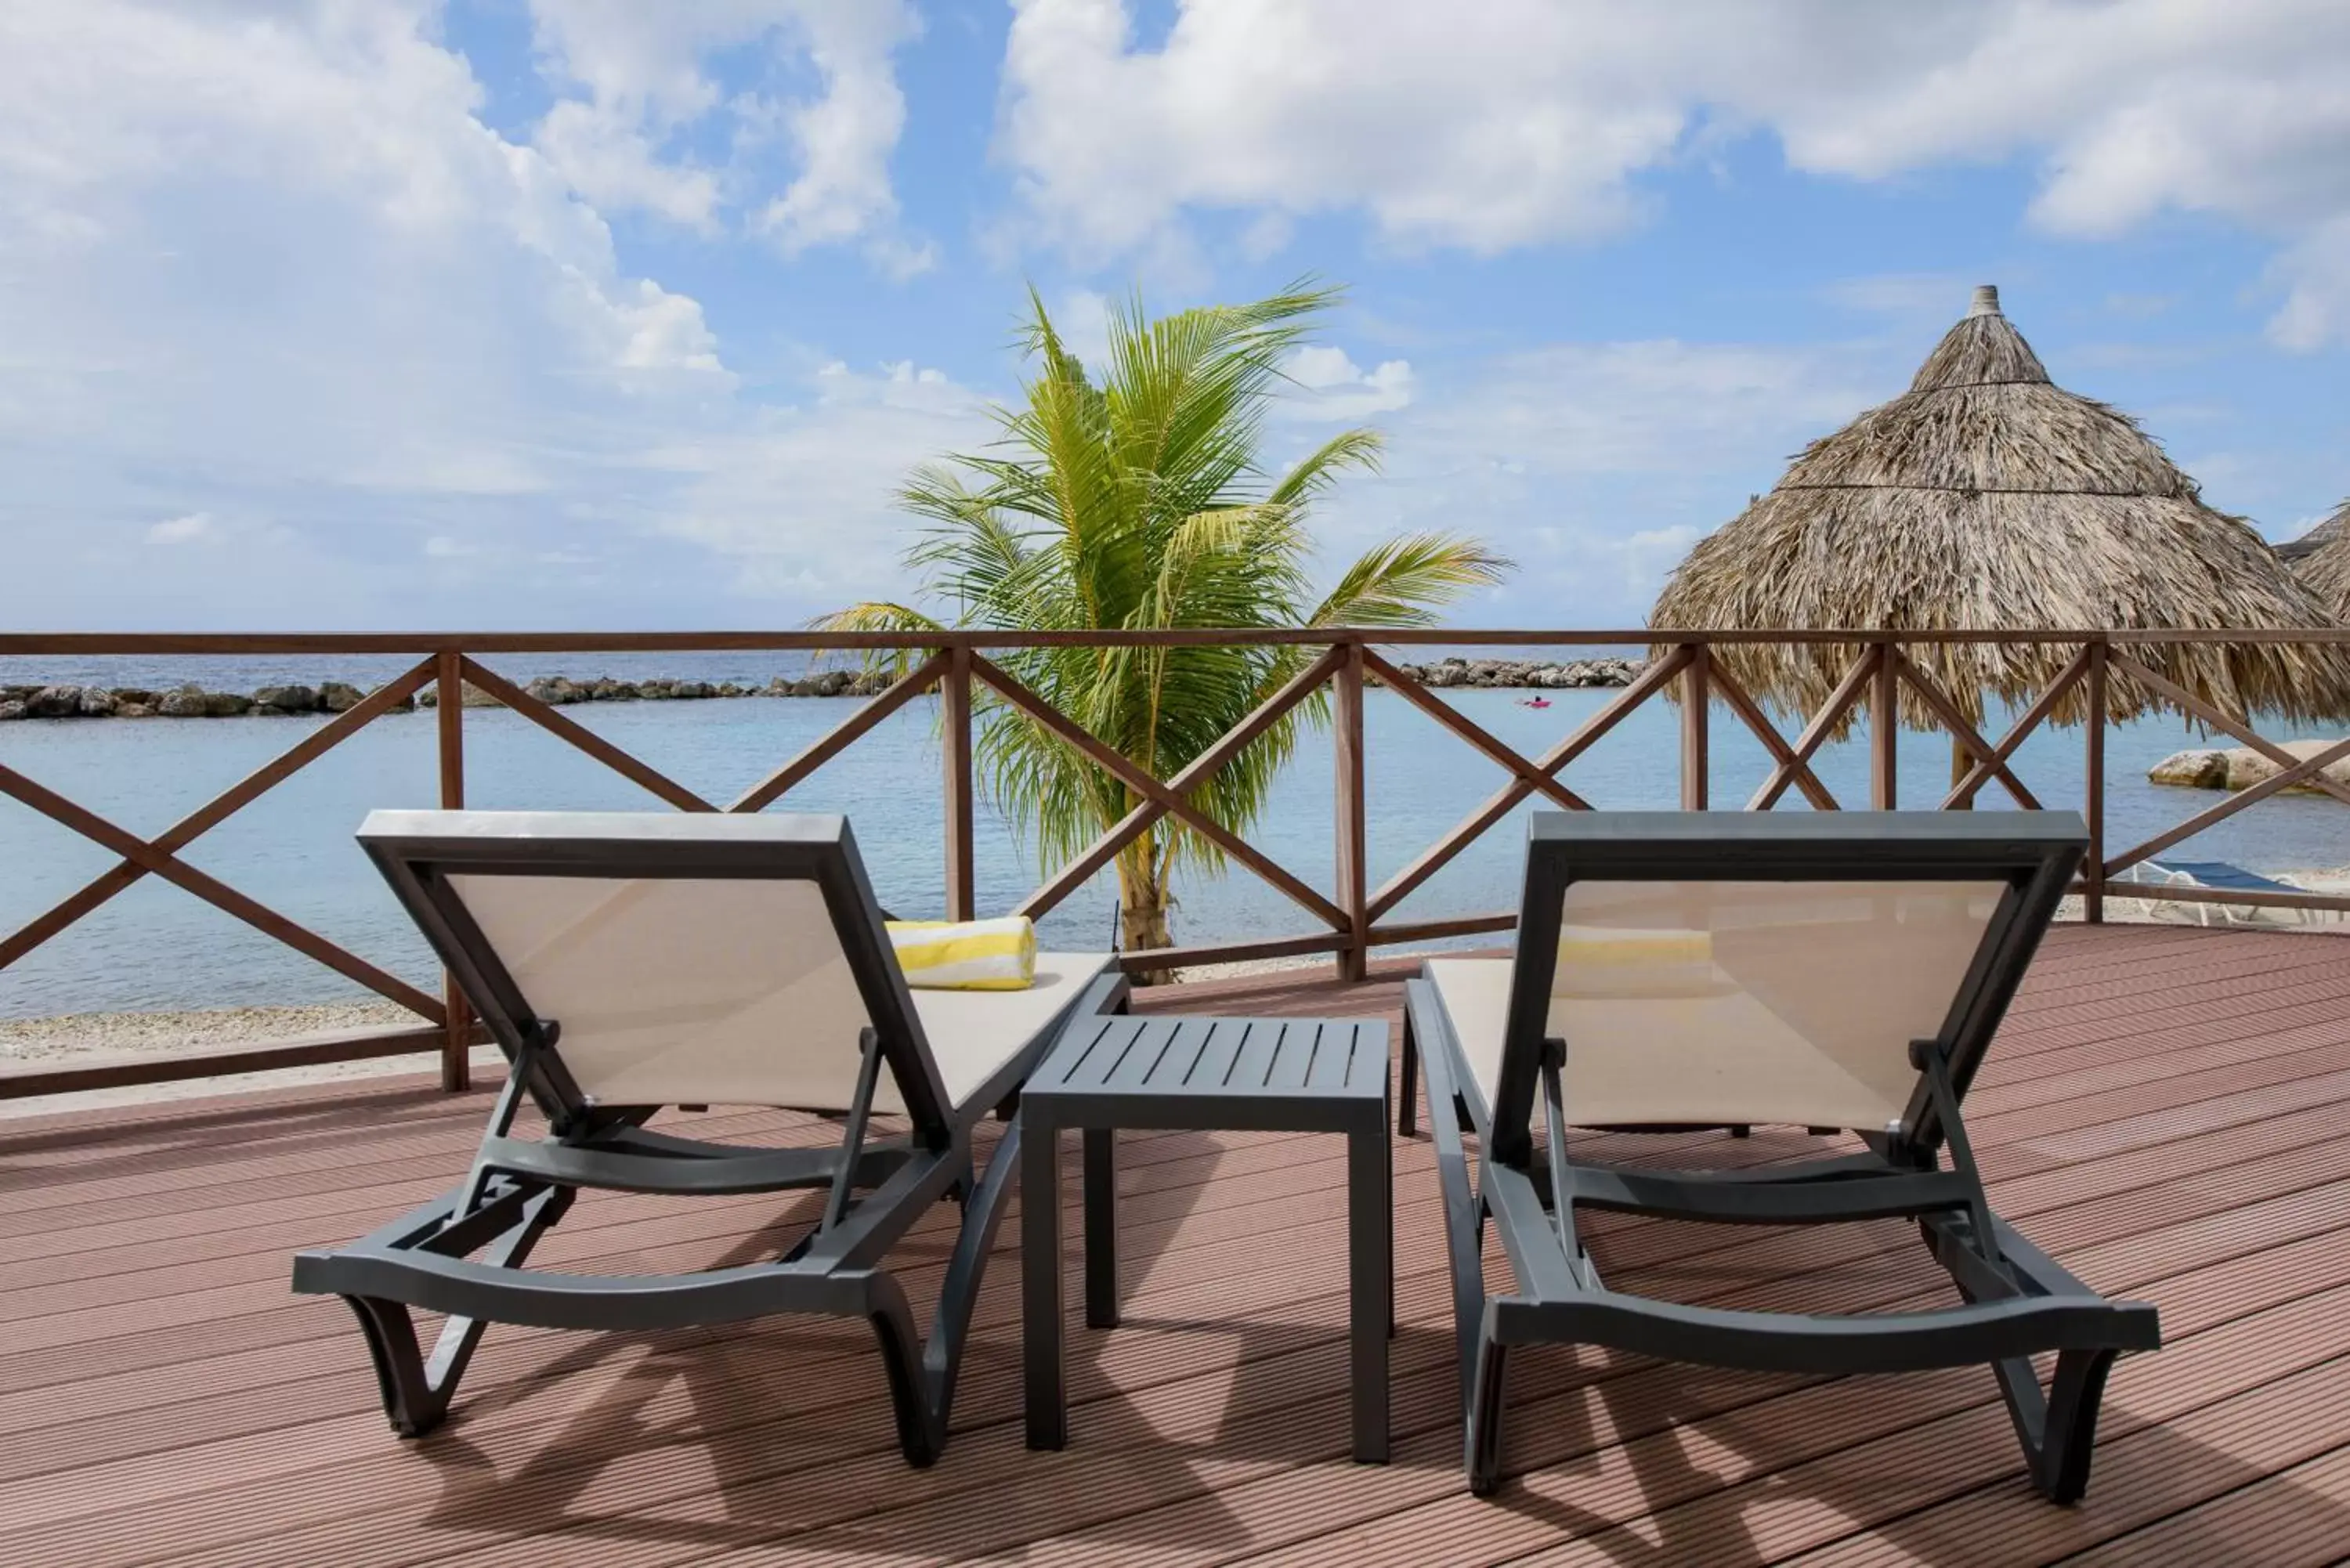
x=1142, y=503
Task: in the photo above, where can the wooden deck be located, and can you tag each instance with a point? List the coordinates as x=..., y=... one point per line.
x=2168, y=1112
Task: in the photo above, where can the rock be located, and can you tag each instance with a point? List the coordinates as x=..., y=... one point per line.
x=2191, y=770
x=557, y=692
x=728, y=689
x=604, y=689
x=134, y=710
x=339, y=696
x=55, y=702
x=656, y=691
x=17, y=693
x=470, y=696
x=97, y=704
x=691, y=690
x=187, y=703
x=227, y=704
x=130, y=696
x=12, y=708
x=287, y=699
x=869, y=684
x=2240, y=767
x=2247, y=767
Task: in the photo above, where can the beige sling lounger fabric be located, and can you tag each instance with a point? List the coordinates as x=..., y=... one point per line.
x=674, y=991
x=1712, y=1003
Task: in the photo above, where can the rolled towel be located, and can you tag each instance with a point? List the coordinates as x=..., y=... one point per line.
x=1600, y=962
x=967, y=955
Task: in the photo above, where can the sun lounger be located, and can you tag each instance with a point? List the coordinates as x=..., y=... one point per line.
x=1822, y=970
x=630, y=962
x=2216, y=874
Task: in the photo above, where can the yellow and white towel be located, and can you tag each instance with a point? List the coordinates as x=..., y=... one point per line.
x=967, y=955
x=1598, y=961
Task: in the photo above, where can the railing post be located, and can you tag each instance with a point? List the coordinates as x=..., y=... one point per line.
x=954, y=715
x=1697, y=696
x=1354, y=959
x=2093, y=874
x=449, y=717
x=1885, y=728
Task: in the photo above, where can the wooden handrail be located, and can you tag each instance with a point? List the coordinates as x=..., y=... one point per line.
x=1355, y=920
x=478, y=643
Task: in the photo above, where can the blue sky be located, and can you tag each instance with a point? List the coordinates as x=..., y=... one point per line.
x=584, y=313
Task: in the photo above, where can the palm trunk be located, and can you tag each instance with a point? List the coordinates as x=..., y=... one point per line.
x=1142, y=906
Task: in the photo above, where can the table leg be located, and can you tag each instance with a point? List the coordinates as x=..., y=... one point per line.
x=1040, y=1285
x=1370, y=1281
x=1101, y=1228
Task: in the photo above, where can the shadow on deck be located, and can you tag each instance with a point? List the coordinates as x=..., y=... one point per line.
x=2167, y=1111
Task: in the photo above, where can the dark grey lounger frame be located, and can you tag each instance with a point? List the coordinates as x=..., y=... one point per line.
x=518, y=1187
x=2019, y=1301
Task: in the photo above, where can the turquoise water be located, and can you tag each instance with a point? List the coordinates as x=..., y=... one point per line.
x=156, y=947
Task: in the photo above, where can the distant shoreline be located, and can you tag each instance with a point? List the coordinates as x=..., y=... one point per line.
x=62, y=700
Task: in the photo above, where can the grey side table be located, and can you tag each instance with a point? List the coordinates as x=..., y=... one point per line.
x=1242, y=1074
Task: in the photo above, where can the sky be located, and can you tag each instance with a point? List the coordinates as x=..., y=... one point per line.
x=596, y=314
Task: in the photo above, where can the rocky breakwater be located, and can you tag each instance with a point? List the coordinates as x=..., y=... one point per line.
x=1524, y=672
x=193, y=701
x=2240, y=767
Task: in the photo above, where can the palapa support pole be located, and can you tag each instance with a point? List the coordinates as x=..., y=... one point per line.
x=449, y=697
x=1885, y=728
x=1697, y=695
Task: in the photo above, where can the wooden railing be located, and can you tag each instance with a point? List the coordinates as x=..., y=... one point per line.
x=1346, y=926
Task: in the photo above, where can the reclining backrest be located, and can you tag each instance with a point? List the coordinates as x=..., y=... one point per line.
x=1731, y=968
x=683, y=958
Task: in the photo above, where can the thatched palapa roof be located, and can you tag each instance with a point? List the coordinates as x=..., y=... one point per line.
x=2321, y=559
x=1988, y=498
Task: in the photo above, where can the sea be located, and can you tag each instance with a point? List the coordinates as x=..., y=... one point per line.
x=155, y=948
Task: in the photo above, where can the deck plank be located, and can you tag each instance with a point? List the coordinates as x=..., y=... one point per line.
x=2167, y=1111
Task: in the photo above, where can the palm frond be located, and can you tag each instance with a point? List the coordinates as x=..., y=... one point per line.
x=1404, y=580
x=1136, y=498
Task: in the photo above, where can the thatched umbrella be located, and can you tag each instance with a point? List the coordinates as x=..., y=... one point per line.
x=1988, y=498
x=2321, y=559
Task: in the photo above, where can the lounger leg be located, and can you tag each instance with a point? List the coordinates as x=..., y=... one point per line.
x=921, y=1431
x=959, y=1295
x=1482, y=1441
x=417, y=1391
x=412, y=1405
x=1464, y=1223
x=2058, y=1430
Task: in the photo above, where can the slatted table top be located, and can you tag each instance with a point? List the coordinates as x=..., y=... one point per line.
x=1336, y=1068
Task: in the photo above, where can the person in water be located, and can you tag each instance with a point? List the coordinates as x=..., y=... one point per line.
x=1533, y=701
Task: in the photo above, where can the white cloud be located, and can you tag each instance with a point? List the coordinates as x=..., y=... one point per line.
x=1516, y=122
x=1329, y=385
x=272, y=270
x=649, y=89
x=183, y=529
x=1596, y=465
